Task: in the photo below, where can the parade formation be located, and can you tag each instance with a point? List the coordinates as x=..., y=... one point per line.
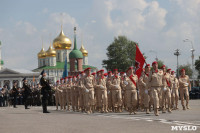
x=156, y=89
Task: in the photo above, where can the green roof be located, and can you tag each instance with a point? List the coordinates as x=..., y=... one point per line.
x=75, y=54
x=2, y=62
x=60, y=65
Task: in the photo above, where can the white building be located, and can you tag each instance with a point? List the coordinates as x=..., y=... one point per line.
x=9, y=76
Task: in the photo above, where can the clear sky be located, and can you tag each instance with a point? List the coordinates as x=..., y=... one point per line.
x=159, y=26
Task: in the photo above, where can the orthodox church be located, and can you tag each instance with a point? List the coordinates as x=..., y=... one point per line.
x=60, y=55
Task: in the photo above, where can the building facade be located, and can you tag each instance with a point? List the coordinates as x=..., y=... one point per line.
x=53, y=60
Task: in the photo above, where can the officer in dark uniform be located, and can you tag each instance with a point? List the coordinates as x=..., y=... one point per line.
x=26, y=92
x=14, y=94
x=44, y=91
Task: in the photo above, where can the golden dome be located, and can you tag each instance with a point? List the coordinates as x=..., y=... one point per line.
x=50, y=52
x=84, y=51
x=42, y=53
x=62, y=42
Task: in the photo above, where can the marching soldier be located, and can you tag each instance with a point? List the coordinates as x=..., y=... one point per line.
x=122, y=75
x=109, y=88
x=155, y=83
x=97, y=91
x=184, y=83
x=76, y=93
x=73, y=93
x=175, y=93
x=116, y=91
x=143, y=81
x=81, y=91
x=57, y=94
x=166, y=92
x=130, y=83
x=88, y=83
x=102, y=93
x=44, y=91
x=26, y=92
x=60, y=94
x=68, y=92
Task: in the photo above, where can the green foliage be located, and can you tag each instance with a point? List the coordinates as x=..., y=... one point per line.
x=197, y=66
x=160, y=64
x=120, y=53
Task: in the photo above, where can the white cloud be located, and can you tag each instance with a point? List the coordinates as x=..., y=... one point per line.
x=45, y=10
x=26, y=27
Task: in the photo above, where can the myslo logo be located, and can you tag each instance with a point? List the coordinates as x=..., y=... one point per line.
x=183, y=128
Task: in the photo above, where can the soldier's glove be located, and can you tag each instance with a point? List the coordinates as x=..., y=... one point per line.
x=146, y=91
x=125, y=82
x=117, y=86
x=164, y=88
x=108, y=92
x=101, y=86
x=186, y=84
x=86, y=90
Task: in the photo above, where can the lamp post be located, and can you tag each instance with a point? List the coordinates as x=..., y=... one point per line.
x=177, y=53
x=192, y=50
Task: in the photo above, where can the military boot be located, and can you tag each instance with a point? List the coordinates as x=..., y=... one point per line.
x=184, y=107
x=156, y=112
x=147, y=110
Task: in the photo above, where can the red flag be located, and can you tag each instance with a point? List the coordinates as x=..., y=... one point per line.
x=139, y=62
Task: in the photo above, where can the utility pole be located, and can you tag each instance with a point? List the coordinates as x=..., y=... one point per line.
x=177, y=53
x=192, y=50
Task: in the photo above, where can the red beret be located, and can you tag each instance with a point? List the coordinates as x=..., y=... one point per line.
x=182, y=70
x=69, y=77
x=172, y=72
x=129, y=69
x=93, y=73
x=169, y=69
x=163, y=66
x=121, y=72
x=87, y=69
x=105, y=74
x=77, y=75
x=109, y=72
x=57, y=81
x=74, y=76
x=81, y=72
x=147, y=65
x=115, y=69
x=155, y=62
x=61, y=79
x=101, y=70
x=65, y=77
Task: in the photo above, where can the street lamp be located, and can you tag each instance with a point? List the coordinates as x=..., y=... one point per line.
x=192, y=50
x=177, y=53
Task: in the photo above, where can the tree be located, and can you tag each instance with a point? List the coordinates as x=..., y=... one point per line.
x=120, y=53
x=197, y=66
x=188, y=70
x=160, y=64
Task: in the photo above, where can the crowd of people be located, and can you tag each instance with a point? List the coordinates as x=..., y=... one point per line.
x=34, y=99
x=155, y=90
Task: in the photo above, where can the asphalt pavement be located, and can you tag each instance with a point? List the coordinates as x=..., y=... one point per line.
x=19, y=120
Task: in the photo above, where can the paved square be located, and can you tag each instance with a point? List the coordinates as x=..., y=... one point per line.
x=33, y=120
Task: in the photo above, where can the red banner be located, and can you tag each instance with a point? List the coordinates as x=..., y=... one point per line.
x=139, y=62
